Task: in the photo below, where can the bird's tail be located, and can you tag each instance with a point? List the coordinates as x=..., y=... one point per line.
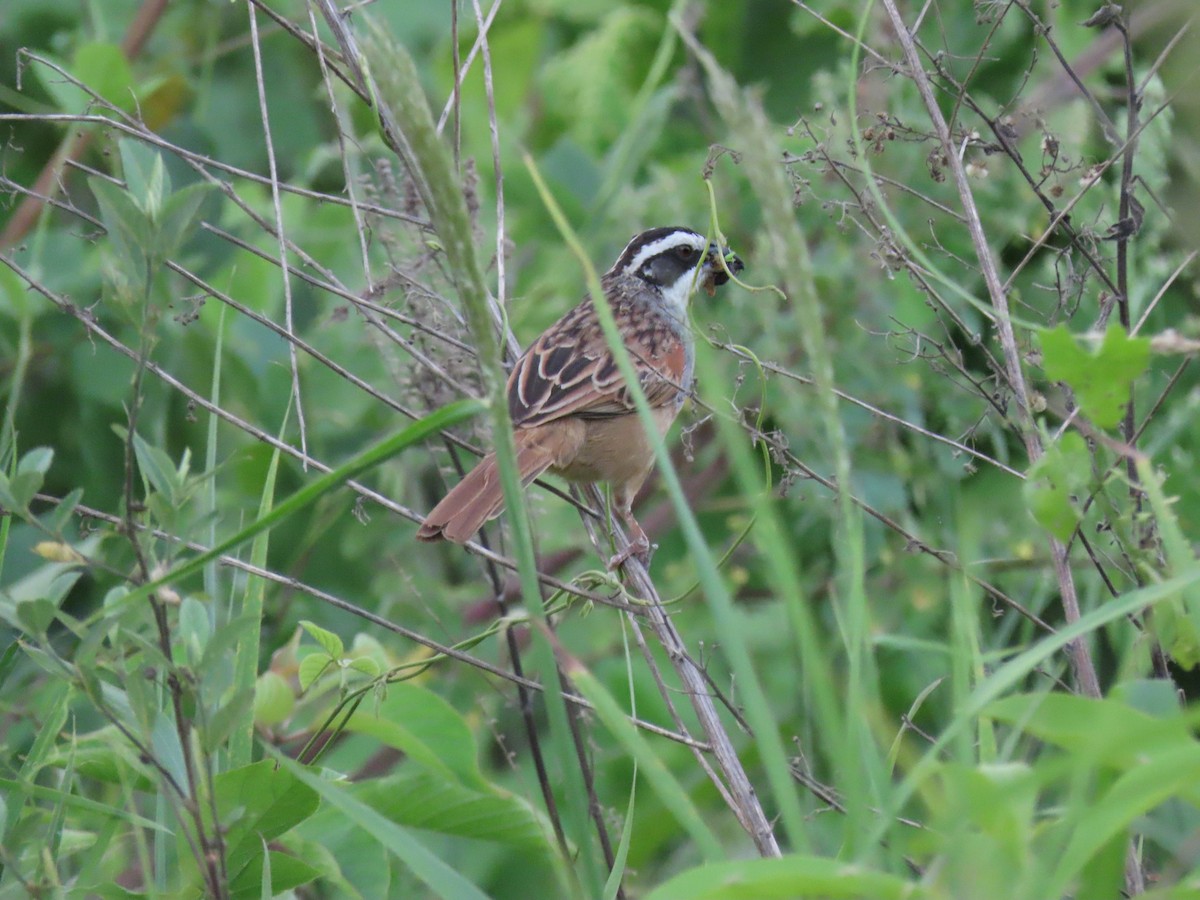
x=479, y=496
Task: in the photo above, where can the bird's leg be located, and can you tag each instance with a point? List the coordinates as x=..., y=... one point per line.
x=639, y=544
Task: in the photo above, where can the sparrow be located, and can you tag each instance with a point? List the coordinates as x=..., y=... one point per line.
x=571, y=409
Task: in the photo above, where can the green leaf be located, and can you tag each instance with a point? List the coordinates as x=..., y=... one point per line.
x=427, y=728
x=222, y=722
x=1054, y=482
x=36, y=616
x=258, y=803
x=159, y=469
x=330, y=642
x=145, y=177
x=421, y=798
x=129, y=238
x=56, y=520
x=283, y=870
x=51, y=582
x=104, y=69
x=1106, y=732
x=8, y=661
x=366, y=665
x=17, y=491
x=312, y=667
x=178, y=218
x=14, y=788
x=273, y=699
x=786, y=878
x=449, y=415
x=22, y=488
x=9, y=501
x=106, y=756
x=37, y=460
x=1101, y=380
x=443, y=879
x=1177, y=623
x=220, y=647
x=1165, y=774
x=195, y=627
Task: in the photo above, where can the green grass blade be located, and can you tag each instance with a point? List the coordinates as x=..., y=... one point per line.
x=441, y=878
x=418, y=431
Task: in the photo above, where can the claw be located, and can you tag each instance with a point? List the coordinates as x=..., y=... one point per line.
x=641, y=548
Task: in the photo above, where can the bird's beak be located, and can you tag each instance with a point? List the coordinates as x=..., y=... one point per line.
x=721, y=272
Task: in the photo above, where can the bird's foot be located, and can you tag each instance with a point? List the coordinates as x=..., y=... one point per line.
x=639, y=548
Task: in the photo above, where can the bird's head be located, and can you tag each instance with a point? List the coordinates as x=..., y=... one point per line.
x=676, y=261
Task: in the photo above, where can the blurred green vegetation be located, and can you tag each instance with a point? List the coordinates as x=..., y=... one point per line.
x=948, y=724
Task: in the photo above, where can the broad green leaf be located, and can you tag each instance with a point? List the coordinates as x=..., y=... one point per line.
x=55, y=521
x=259, y=803
x=21, y=489
x=422, y=798
x=1158, y=778
x=130, y=239
x=1107, y=732
x=998, y=800
x=330, y=642
x=282, y=871
x=1101, y=379
x=273, y=699
x=164, y=740
x=366, y=666
x=222, y=721
x=177, y=220
x=103, y=69
x=195, y=627
x=785, y=878
x=36, y=460
x=106, y=756
x=8, y=499
x=1056, y=481
x=159, y=469
x=16, y=301
x=14, y=788
x=51, y=581
x=427, y=728
x=145, y=178
x=358, y=869
x=1176, y=624
x=313, y=667
x=443, y=879
x=219, y=647
x=36, y=616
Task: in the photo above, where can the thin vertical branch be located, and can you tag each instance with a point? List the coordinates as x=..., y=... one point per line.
x=1129, y=216
x=293, y=360
x=1081, y=658
x=497, y=169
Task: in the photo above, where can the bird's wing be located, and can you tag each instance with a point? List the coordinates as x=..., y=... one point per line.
x=570, y=371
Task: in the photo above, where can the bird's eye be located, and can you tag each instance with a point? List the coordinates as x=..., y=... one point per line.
x=686, y=253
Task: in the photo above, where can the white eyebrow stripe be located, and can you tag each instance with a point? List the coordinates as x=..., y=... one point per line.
x=663, y=244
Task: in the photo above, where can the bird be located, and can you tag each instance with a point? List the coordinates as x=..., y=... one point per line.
x=571, y=409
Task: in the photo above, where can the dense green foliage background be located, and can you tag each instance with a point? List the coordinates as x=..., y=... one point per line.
x=945, y=680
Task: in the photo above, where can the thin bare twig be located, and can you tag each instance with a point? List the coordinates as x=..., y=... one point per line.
x=1081, y=659
x=280, y=232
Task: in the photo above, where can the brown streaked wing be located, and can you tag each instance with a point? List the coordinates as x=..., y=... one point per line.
x=570, y=371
